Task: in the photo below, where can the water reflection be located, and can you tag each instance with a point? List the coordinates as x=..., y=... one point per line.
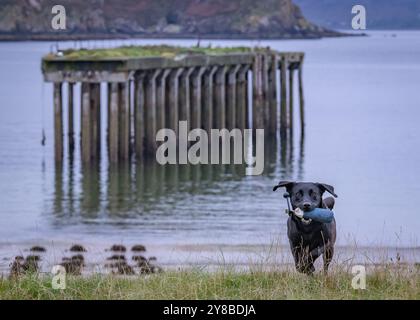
x=107, y=193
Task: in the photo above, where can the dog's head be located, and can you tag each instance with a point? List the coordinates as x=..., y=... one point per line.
x=305, y=195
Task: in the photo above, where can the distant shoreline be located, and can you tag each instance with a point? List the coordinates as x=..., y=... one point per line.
x=80, y=37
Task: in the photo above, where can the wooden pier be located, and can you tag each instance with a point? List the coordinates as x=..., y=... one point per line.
x=146, y=94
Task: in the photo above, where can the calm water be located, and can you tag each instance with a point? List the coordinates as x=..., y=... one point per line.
x=363, y=136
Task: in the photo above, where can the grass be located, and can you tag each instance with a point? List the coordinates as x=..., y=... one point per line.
x=145, y=51
x=381, y=283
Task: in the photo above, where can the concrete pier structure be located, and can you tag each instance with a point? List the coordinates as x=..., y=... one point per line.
x=210, y=91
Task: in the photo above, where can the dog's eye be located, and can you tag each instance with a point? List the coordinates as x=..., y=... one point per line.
x=299, y=194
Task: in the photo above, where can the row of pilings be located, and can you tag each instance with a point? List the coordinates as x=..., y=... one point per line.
x=144, y=95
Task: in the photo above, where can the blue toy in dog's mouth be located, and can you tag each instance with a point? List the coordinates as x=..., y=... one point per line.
x=318, y=214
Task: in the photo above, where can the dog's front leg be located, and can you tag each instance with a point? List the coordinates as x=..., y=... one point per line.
x=299, y=250
x=327, y=252
x=303, y=259
x=327, y=257
x=315, y=253
x=296, y=252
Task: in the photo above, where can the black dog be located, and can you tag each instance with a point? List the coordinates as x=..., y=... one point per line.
x=309, y=241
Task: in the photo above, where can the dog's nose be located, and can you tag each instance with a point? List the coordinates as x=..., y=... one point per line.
x=306, y=205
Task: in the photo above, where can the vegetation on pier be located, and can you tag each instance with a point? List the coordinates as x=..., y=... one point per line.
x=146, y=51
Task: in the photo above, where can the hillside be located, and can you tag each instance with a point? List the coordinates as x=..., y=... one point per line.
x=31, y=19
x=381, y=14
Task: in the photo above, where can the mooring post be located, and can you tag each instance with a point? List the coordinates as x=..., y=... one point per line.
x=231, y=97
x=301, y=98
x=150, y=111
x=173, y=99
x=220, y=98
x=258, y=96
x=283, y=97
x=113, y=123
x=70, y=111
x=207, y=117
x=58, y=121
x=86, y=123
x=242, y=97
x=184, y=97
x=161, y=99
x=291, y=111
x=196, y=101
x=95, y=113
x=272, y=96
x=139, y=122
x=124, y=125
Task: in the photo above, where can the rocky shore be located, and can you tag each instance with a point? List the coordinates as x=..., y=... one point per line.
x=75, y=261
x=179, y=19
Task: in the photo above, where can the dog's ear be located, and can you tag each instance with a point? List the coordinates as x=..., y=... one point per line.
x=326, y=187
x=286, y=184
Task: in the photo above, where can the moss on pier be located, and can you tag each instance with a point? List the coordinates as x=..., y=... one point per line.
x=146, y=51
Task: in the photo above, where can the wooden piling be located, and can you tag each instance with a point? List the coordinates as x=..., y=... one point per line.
x=184, y=97
x=131, y=94
x=108, y=104
x=150, y=111
x=231, y=97
x=98, y=119
x=139, y=122
x=86, y=123
x=283, y=97
x=173, y=99
x=242, y=97
x=291, y=111
x=272, y=96
x=196, y=97
x=161, y=100
x=58, y=121
x=208, y=93
x=219, y=116
x=95, y=114
x=70, y=111
x=124, y=125
x=266, y=92
x=113, y=123
x=258, y=96
x=301, y=99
